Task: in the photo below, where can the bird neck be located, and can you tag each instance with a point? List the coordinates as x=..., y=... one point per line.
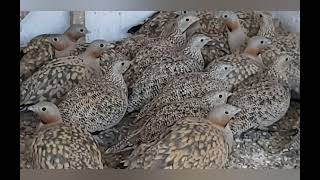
x=66, y=50
x=220, y=122
x=254, y=52
x=233, y=26
x=91, y=61
x=236, y=39
x=74, y=37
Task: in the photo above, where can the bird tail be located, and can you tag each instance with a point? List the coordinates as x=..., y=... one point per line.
x=128, y=143
x=133, y=103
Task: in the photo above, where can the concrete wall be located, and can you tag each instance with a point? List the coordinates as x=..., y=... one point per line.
x=109, y=25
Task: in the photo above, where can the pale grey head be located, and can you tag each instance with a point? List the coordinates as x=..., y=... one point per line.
x=198, y=41
x=76, y=31
x=121, y=66
x=259, y=42
x=47, y=112
x=59, y=41
x=282, y=62
x=221, y=71
x=185, y=21
x=217, y=98
x=222, y=114
x=97, y=48
x=231, y=20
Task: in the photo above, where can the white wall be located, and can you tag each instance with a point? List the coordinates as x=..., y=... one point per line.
x=109, y=25
x=112, y=25
x=40, y=22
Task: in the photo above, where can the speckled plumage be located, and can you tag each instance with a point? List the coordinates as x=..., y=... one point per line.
x=156, y=76
x=61, y=146
x=282, y=44
x=245, y=64
x=250, y=21
x=100, y=103
x=153, y=25
x=214, y=27
x=162, y=117
x=43, y=50
x=264, y=98
x=191, y=143
x=74, y=33
x=175, y=42
x=191, y=85
x=52, y=81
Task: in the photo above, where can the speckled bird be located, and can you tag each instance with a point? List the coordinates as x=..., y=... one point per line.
x=52, y=81
x=191, y=85
x=156, y=76
x=152, y=26
x=264, y=98
x=74, y=33
x=175, y=42
x=191, y=143
x=247, y=63
x=43, y=51
x=282, y=44
x=99, y=103
x=237, y=35
x=58, y=145
x=165, y=116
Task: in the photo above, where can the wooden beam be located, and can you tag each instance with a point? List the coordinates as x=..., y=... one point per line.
x=78, y=17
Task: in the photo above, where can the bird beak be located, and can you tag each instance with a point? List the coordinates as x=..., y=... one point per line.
x=87, y=31
x=197, y=19
x=237, y=110
x=229, y=94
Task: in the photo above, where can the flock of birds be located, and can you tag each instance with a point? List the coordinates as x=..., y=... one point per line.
x=171, y=96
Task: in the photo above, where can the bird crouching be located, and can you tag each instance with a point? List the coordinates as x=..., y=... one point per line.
x=99, y=103
x=58, y=145
x=158, y=119
x=191, y=143
x=53, y=80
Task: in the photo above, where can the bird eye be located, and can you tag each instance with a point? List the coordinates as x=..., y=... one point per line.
x=187, y=19
x=261, y=15
x=201, y=40
x=220, y=96
x=55, y=39
x=226, y=112
x=261, y=42
x=185, y=12
x=101, y=45
x=225, y=68
x=225, y=16
x=287, y=59
x=81, y=30
x=44, y=109
x=122, y=64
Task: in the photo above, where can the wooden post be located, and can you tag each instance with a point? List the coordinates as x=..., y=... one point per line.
x=78, y=17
